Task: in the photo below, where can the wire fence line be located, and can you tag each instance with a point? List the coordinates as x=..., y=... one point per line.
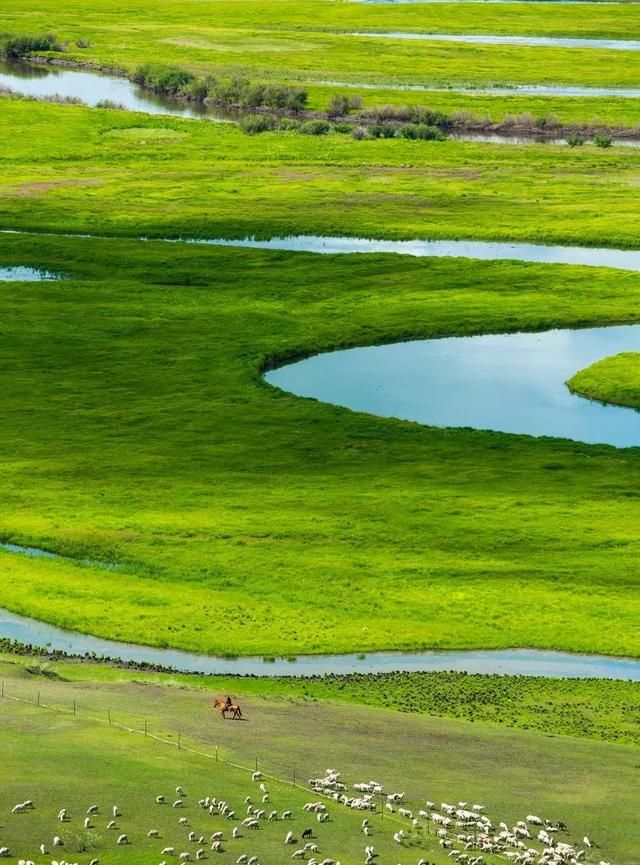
x=279, y=773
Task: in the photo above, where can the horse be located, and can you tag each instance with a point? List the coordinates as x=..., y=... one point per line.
x=224, y=707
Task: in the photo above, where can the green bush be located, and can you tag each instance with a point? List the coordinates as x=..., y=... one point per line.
x=602, y=140
x=382, y=130
x=575, y=140
x=170, y=80
x=315, y=127
x=343, y=128
x=254, y=124
x=288, y=124
x=19, y=46
x=426, y=132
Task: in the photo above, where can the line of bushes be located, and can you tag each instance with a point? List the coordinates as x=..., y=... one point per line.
x=16, y=46
x=254, y=124
x=177, y=82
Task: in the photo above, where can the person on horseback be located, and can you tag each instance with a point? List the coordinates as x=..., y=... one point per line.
x=227, y=703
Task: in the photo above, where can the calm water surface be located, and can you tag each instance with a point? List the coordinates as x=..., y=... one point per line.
x=513, y=383
x=504, y=90
x=531, y=41
x=93, y=87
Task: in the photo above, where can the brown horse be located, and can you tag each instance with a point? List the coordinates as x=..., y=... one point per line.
x=223, y=707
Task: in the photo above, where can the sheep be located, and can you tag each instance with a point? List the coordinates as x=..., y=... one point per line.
x=298, y=854
x=256, y=776
x=94, y=862
x=536, y=821
x=253, y=861
x=192, y=836
x=20, y=808
x=242, y=860
x=253, y=824
x=115, y=811
x=168, y=851
x=122, y=839
x=265, y=799
x=92, y=809
x=57, y=841
x=63, y=815
x=217, y=836
x=177, y=803
x=4, y=852
x=367, y=830
x=217, y=847
x=111, y=824
x=307, y=833
x=289, y=839
x=160, y=800
x=587, y=842
x=87, y=823
x=179, y=791
x=273, y=815
x=200, y=854
x=43, y=849
x=185, y=857
x=231, y=815
x=287, y=815
x=182, y=821
x=153, y=833
x=263, y=789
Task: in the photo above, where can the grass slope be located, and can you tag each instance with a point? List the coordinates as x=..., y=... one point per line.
x=58, y=760
x=614, y=379
x=136, y=429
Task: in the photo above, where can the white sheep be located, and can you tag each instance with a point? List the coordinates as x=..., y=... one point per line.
x=217, y=836
x=242, y=860
x=298, y=854
x=587, y=842
x=192, y=836
x=87, y=822
x=253, y=860
x=168, y=851
x=200, y=854
x=217, y=847
x=112, y=824
x=94, y=862
x=289, y=839
x=57, y=841
x=160, y=800
x=182, y=821
x=153, y=833
x=62, y=815
x=122, y=839
x=43, y=849
x=179, y=791
x=287, y=815
x=235, y=832
x=4, y=852
x=177, y=803
x=92, y=809
x=185, y=857
x=115, y=811
x=256, y=776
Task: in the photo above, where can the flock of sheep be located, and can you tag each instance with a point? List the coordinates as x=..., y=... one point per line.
x=464, y=832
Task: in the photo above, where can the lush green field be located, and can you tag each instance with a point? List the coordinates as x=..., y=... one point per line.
x=592, y=709
x=136, y=429
x=309, y=42
x=59, y=760
x=119, y=173
x=613, y=379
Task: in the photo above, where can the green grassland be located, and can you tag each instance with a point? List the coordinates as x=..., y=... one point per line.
x=136, y=430
x=613, y=380
x=58, y=759
x=310, y=42
x=585, y=708
x=115, y=172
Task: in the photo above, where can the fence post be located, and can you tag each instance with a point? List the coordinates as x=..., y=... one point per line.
x=145, y=728
x=216, y=753
x=256, y=762
x=179, y=742
x=294, y=777
x=74, y=708
x=38, y=699
x=109, y=716
x=3, y=688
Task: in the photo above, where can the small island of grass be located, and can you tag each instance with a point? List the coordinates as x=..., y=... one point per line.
x=613, y=380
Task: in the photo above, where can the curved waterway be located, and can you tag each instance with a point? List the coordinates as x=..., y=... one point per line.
x=94, y=87
x=524, y=662
x=529, y=41
x=512, y=383
x=502, y=90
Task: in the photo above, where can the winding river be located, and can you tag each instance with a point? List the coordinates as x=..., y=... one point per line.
x=405, y=380
x=491, y=39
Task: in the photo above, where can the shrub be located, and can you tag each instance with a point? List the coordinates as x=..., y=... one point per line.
x=19, y=46
x=602, y=140
x=164, y=79
x=343, y=128
x=426, y=132
x=288, y=124
x=408, y=130
x=296, y=98
x=575, y=140
x=254, y=124
x=111, y=105
x=359, y=133
x=383, y=130
x=315, y=127
x=83, y=43
x=338, y=105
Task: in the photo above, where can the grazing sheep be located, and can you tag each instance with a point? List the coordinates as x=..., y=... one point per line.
x=153, y=833
x=4, y=852
x=183, y=821
x=57, y=841
x=92, y=809
x=217, y=836
x=185, y=857
x=115, y=811
x=308, y=833
x=179, y=791
x=289, y=839
x=217, y=847
x=587, y=842
x=43, y=849
x=257, y=776
x=111, y=824
x=122, y=839
x=63, y=815
x=242, y=860
x=253, y=824
x=177, y=803
x=273, y=815
x=230, y=815
x=200, y=854
x=20, y=808
x=265, y=798
x=87, y=823
x=235, y=832
x=160, y=800
x=298, y=854
x=168, y=851
x=287, y=815
x=94, y=862
x=192, y=836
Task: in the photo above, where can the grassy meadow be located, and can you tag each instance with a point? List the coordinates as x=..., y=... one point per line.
x=136, y=429
x=311, y=42
x=61, y=760
x=614, y=380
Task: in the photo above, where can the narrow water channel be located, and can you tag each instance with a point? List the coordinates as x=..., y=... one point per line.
x=491, y=39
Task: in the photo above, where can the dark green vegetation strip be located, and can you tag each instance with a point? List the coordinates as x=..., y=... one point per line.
x=613, y=379
x=136, y=429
